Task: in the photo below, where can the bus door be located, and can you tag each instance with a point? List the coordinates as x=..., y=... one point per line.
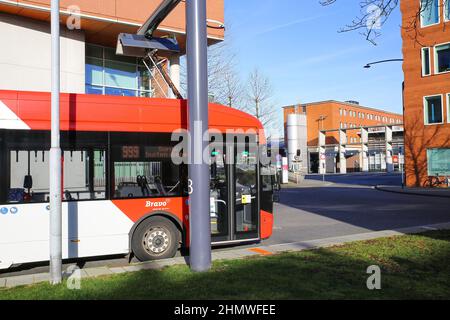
x=234, y=194
x=246, y=201
x=219, y=197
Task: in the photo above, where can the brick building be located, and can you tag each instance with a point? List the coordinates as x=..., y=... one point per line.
x=426, y=51
x=330, y=115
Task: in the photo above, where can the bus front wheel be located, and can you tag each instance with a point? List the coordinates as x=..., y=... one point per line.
x=155, y=238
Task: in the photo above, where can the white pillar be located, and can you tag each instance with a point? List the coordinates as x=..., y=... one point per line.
x=364, y=150
x=322, y=155
x=174, y=72
x=297, y=140
x=342, y=149
x=389, y=150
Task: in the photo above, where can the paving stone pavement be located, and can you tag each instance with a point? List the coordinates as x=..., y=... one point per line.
x=9, y=282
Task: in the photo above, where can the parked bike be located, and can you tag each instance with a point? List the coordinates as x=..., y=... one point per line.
x=437, y=182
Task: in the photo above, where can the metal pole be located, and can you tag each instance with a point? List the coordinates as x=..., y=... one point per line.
x=55, y=155
x=200, y=224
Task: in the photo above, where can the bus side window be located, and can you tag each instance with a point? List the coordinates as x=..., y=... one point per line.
x=142, y=171
x=28, y=176
x=84, y=175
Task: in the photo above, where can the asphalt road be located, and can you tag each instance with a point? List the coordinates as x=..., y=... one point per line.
x=319, y=210
x=316, y=212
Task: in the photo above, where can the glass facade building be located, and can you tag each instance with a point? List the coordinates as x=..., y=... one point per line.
x=110, y=74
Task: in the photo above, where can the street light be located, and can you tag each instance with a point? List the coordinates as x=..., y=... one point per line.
x=368, y=66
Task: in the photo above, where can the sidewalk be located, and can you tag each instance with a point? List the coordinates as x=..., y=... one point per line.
x=13, y=281
x=307, y=183
x=430, y=192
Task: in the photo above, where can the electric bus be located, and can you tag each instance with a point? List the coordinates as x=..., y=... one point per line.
x=122, y=193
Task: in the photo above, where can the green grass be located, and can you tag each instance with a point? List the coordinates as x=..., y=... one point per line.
x=413, y=267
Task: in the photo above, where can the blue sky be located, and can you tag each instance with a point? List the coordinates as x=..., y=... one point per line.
x=296, y=44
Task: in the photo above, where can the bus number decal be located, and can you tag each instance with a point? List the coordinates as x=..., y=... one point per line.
x=190, y=187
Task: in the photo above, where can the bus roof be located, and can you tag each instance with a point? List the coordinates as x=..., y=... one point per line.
x=83, y=112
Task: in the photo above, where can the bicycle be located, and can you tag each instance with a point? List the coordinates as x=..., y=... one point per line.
x=436, y=182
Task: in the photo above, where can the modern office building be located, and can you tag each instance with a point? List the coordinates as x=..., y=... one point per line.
x=89, y=31
x=334, y=117
x=426, y=66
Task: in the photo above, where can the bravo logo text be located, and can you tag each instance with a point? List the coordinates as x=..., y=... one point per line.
x=156, y=204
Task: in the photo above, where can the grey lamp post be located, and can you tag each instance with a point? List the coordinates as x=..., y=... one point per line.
x=369, y=65
x=55, y=155
x=197, y=69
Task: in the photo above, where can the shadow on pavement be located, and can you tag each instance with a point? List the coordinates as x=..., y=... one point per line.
x=366, y=179
x=363, y=207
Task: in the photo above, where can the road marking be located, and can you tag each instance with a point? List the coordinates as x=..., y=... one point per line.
x=261, y=251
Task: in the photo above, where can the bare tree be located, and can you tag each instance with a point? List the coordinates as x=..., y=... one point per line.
x=231, y=92
x=375, y=13
x=259, y=99
x=224, y=84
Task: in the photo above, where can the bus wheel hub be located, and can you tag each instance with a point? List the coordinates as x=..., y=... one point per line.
x=157, y=241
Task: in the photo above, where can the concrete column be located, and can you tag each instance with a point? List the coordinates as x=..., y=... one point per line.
x=342, y=149
x=322, y=156
x=364, y=155
x=389, y=149
x=174, y=71
x=297, y=140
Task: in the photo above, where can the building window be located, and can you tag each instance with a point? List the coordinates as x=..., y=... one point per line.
x=429, y=13
x=447, y=10
x=448, y=107
x=433, y=109
x=442, y=58
x=426, y=62
x=109, y=74
x=438, y=162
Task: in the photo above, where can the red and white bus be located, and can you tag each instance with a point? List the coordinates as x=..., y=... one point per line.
x=122, y=193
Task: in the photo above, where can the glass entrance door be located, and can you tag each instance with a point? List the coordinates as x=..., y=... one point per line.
x=246, y=193
x=219, y=209
x=234, y=194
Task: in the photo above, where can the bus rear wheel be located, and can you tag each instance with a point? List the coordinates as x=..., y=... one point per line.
x=155, y=238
